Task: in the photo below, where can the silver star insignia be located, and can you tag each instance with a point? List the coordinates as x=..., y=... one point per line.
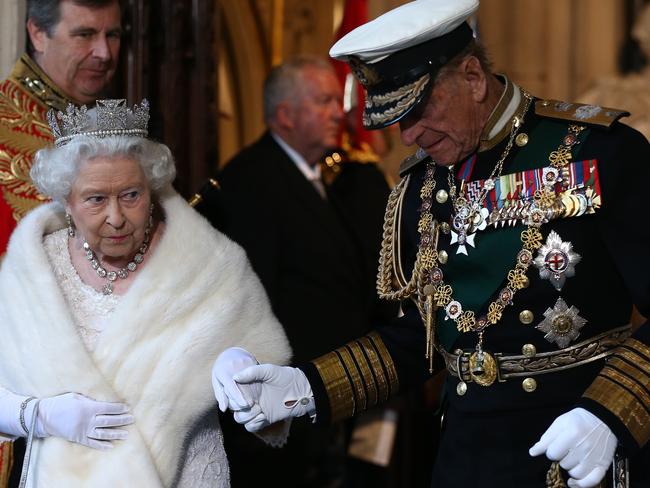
x=562, y=324
x=556, y=260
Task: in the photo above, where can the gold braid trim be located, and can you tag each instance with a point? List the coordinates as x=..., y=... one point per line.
x=554, y=477
x=357, y=376
x=383, y=389
x=360, y=394
x=337, y=384
x=391, y=280
x=623, y=388
x=387, y=361
x=29, y=75
x=388, y=275
x=367, y=371
x=23, y=131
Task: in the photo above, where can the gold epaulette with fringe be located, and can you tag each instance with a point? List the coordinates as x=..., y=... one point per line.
x=579, y=112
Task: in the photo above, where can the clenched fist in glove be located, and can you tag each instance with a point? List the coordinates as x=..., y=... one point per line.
x=284, y=392
x=582, y=444
x=70, y=416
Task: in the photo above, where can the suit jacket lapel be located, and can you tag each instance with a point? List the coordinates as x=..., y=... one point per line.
x=297, y=184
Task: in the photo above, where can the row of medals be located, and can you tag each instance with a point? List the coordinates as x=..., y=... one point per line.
x=555, y=261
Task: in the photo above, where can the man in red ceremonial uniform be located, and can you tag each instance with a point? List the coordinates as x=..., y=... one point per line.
x=72, y=56
x=73, y=49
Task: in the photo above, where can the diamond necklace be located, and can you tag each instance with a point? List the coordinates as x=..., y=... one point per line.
x=121, y=273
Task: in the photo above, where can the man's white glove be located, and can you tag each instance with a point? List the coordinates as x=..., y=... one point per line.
x=228, y=394
x=82, y=420
x=582, y=443
x=284, y=392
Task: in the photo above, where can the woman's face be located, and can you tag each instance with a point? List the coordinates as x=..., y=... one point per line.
x=109, y=205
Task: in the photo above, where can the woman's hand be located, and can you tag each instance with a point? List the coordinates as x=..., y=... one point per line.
x=82, y=420
x=230, y=395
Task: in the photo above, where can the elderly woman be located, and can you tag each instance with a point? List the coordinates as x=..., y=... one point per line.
x=115, y=300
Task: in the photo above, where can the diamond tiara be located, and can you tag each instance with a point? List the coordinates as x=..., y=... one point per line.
x=109, y=118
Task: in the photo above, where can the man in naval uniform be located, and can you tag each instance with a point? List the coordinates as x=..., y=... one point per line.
x=516, y=244
x=73, y=52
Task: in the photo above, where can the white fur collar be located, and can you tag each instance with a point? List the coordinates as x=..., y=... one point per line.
x=196, y=296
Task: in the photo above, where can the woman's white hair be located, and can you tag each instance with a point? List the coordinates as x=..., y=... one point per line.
x=55, y=169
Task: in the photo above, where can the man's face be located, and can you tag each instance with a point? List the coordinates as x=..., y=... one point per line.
x=317, y=113
x=447, y=125
x=81, y=54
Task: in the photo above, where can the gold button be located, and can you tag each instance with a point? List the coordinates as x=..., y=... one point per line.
x=443, y=257
x=526, y=317
x=529, y=350
x=521, y=140
x=444, y=227
x=461, y=388
x=529, y=385
x=441, y=196
x=525, y=282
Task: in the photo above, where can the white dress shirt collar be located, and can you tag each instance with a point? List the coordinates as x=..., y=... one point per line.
x=311, y=173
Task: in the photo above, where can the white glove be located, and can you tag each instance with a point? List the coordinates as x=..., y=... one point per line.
x=230, y=362
x=582, y=443
x=82, y=420
x=70, y=416
x=284, y=392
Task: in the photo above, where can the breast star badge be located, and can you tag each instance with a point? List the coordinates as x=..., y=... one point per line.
x=556, y=260
x=561, y=324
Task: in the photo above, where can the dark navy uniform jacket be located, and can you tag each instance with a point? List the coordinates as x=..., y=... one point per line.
x=489, y=429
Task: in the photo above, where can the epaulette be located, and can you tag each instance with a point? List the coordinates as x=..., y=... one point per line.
x=411, y=161
x=579, y=112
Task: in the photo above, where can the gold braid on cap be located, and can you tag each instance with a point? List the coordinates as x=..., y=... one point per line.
x=110, y=118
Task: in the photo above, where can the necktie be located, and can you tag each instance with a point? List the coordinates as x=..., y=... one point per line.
x=320, y=187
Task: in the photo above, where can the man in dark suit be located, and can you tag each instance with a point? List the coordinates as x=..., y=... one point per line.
x=314, y=246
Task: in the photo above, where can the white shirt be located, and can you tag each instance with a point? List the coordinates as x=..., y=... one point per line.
x=312, y=173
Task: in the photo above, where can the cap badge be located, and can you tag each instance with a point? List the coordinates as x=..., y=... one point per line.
x=365, y=73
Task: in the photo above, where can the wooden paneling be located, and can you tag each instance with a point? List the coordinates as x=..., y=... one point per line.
x=169, y=57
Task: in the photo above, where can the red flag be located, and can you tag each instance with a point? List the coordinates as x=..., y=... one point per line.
x=353, y=136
